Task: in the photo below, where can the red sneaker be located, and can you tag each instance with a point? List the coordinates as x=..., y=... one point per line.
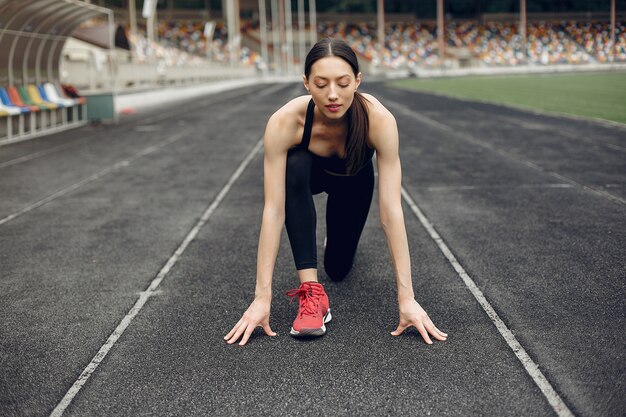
x=314, y=311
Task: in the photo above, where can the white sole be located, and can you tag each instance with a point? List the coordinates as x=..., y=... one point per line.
x=313, y=332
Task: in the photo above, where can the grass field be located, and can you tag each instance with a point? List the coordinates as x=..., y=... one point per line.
x=598, y=95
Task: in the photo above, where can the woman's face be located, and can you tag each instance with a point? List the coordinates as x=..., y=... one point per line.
x=332, y=85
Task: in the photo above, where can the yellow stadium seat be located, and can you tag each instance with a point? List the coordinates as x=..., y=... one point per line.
x=33, y=92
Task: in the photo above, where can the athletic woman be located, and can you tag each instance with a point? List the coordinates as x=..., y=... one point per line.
x=325, y=143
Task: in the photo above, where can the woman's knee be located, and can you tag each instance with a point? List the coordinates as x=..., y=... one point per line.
x=337, y=271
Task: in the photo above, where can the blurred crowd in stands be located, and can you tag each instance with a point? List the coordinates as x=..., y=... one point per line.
x=183, y=43
x=408, y=44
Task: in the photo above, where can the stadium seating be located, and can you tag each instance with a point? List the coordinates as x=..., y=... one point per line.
x=17, y=100
x=415, y=44
x=11, y=115
x=53, y=95
x=73, y=105
x=491, y=43
x=594, y=37
x=8, y=104
x=182, y=43
x=34, y=109
x=35, y=95
x=32, y=116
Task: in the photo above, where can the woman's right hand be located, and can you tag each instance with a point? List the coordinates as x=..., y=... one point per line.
x=257, y=315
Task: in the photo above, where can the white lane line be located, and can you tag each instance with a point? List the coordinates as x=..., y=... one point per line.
x=494, y=187
x=239, y=108
x=35, y=155
x=616, y=147
x=184, y=109
x=558, y=405
x=549, y=113
x=96, y=176
x=516, y=158
x=151, y=290
x=269, y=90
x=548, y=129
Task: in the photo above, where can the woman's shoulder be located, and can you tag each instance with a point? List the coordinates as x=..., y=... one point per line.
x=377, y=112
x=293, y=112
x=382, y=124
x=284, y=127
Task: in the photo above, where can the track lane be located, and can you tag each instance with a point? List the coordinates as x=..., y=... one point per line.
x=72, y=268
x=582, y=152
x=173, y=357
x=33, y=177
x=549, y=258
x=151, y=290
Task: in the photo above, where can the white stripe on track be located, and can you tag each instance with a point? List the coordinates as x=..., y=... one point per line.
x=96, y=176
x=151, y=290
x=539, y=126
x=558, y=405
x=515, y=158
x=184, y=109
x=35, y=155
x=269, y=90
x=549, y=113
x=494, y=187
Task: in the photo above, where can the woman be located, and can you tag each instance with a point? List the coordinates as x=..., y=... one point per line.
x=325, y=142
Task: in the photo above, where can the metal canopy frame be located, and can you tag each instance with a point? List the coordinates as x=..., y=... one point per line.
x=32, y=35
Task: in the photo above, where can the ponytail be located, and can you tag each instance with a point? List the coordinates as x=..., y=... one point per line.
x=358, y=130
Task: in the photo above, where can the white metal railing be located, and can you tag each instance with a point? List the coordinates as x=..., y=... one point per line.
x=90, y=71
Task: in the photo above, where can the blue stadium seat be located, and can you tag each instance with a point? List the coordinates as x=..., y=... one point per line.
x=44, y=96
x=8, y=105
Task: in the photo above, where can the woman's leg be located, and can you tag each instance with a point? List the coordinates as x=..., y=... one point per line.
x=300, y=215
x=349, y=200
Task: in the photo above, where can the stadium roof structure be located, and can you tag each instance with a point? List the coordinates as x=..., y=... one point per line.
x=32, y=35
x=416, y=8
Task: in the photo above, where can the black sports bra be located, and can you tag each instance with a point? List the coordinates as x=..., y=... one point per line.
x=332, y=164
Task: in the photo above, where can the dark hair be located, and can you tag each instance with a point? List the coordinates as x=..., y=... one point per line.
x=358, y=120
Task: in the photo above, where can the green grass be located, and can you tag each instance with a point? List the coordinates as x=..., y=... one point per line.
x=598, y=95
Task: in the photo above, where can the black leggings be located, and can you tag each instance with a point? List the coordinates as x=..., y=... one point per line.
x=349, y=199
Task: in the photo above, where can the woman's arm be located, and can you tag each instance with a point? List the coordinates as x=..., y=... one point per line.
x=274, y=167
x=276, y=143
x=384, y=137
x=390, y=203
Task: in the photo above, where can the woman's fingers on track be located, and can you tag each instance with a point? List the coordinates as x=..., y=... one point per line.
x=440, y=332
x=401, y=328
x=244, y=330
x=238, y=333
x=433, y=330
x=246, y=335
x=442, y=335
x=233, y=330
x=422, y=330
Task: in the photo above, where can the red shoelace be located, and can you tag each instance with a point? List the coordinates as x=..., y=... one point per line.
x=309, y=300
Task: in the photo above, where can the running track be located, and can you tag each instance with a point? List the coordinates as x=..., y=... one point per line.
x=128, y=251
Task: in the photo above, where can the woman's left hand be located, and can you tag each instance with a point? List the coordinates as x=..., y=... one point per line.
x=412, y=314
